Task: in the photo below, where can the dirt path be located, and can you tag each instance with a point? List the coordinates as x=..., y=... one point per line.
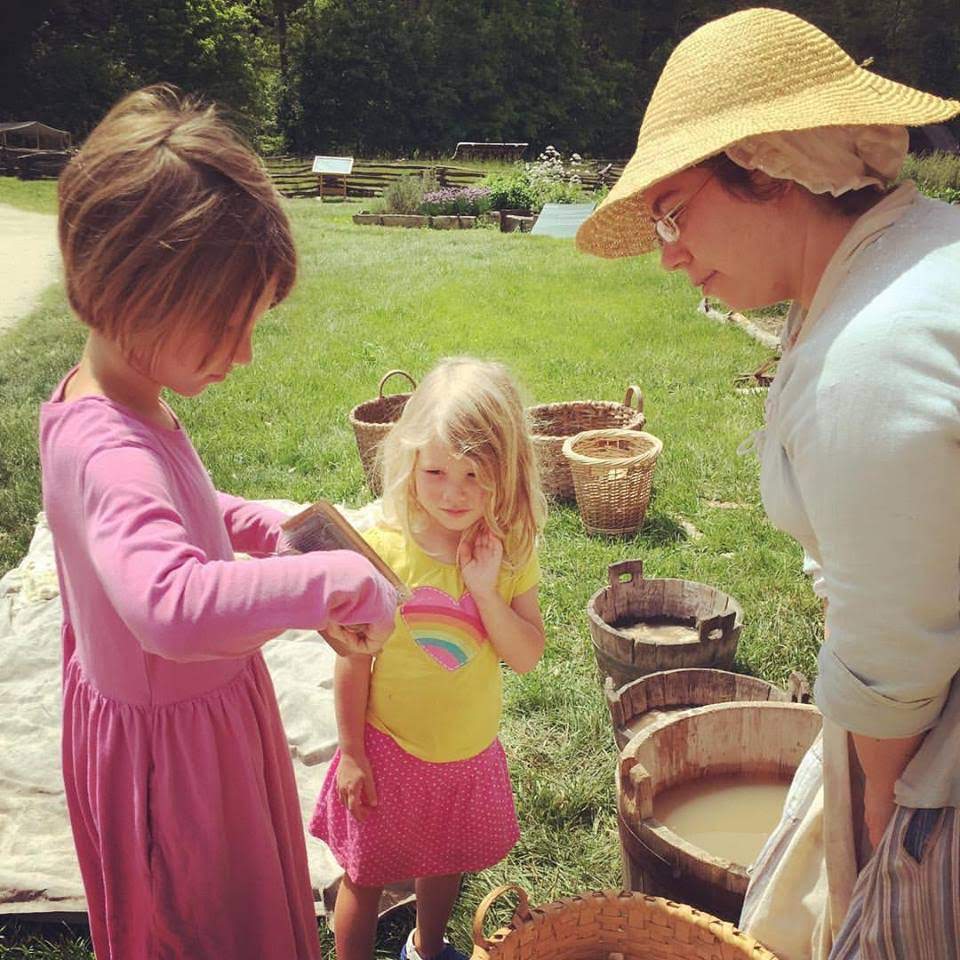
x=29, y=261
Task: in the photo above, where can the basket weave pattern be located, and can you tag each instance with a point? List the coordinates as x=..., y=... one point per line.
x=613, y=478
x=552, y=423
x=612, y=925
x=371, y=422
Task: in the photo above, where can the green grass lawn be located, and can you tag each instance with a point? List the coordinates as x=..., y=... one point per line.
x=370, y=299
x=37, y=196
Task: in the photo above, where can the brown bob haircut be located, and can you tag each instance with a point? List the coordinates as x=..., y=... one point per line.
x=169, y=224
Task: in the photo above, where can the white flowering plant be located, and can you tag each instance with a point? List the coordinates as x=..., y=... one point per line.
x=548, y=179
x=550, y=167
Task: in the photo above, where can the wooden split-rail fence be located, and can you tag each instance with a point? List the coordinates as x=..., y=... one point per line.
x=293, y=176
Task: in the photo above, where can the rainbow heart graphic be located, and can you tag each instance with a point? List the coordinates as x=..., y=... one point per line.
x=446, y=629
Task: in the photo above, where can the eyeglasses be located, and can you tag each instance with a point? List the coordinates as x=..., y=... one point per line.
x=668, y=230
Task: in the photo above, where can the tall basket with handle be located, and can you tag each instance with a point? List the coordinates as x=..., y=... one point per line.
x=371, y=422
x=552, y=423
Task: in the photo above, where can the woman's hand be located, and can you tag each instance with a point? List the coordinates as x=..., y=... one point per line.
x=480, y=563
x=365, y=639
x=355, y=785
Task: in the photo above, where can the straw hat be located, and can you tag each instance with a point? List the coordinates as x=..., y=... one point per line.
x=753, y=72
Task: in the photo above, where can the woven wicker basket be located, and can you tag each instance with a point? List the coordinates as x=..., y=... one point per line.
x=613, y=476
x=371, y=422
x=552, y=423
x=610, y=925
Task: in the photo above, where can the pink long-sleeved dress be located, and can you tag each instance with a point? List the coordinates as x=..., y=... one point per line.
x=178, y=779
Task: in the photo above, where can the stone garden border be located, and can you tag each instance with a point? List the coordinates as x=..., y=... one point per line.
x=508, y=224
x=414, y=220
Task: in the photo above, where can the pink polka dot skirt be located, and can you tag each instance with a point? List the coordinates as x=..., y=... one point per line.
x=432, y=818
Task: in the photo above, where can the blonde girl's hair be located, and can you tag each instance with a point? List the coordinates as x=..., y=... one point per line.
x=474, y=407
x=169, y=223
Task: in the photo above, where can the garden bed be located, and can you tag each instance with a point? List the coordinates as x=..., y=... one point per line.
x=512, y=222
x=446, y=222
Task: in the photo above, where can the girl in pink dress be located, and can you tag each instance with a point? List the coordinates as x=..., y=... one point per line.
x=178, y=778
x=419, y=787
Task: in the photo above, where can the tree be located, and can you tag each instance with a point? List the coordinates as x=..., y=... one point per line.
x=359, y=69
x=79, y=56
x=396, y=76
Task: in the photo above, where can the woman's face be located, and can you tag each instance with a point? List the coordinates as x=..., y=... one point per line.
x=742, y=252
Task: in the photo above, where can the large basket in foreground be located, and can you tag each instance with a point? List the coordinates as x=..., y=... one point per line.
x=613, y=478
x=371, y=422
x=552, y=423
x=610, y=925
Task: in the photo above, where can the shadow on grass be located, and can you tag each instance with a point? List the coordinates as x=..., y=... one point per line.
x=28, y=940
x=660, y=530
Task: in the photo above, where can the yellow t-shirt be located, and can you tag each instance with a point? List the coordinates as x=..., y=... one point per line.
x=436, y=685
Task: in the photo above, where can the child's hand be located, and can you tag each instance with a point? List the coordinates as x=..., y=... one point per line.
x=355, y=785
x=480, y=563
x=366, y=639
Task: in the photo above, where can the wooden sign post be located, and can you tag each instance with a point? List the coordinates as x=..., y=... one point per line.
x=334, y=167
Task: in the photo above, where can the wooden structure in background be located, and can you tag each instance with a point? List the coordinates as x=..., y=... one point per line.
x=332, y=173
x=473, y=150
x=33, y=135
x=33, y=150
x=294, y=176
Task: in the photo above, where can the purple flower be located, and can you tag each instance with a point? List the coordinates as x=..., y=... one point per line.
x=455, y=199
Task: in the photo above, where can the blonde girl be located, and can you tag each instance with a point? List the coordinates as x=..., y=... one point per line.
x=178, y=778
x=419, y=787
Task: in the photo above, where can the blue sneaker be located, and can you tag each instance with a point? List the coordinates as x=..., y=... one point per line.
x=449, y=952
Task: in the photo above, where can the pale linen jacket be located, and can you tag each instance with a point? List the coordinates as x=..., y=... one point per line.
x=860, y=462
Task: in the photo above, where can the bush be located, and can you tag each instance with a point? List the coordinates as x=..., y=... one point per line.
x=936, y=175
x=510, y=191
x=563, y=193
x=403, y=195
x=547, y=180
x=469, y=201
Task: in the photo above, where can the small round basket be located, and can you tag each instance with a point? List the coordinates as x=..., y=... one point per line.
x=610, y=925
x=552, y=423
x=371, y=422
x=613, y=477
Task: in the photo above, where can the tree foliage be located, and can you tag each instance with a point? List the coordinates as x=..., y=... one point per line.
x=397, y=76
x=71, y=59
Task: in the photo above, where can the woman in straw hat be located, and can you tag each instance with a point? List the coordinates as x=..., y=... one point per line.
x=763, y=170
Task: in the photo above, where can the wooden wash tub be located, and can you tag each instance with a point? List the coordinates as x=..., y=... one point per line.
x=711, y=622
x=642, y=703
x=748, y=740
